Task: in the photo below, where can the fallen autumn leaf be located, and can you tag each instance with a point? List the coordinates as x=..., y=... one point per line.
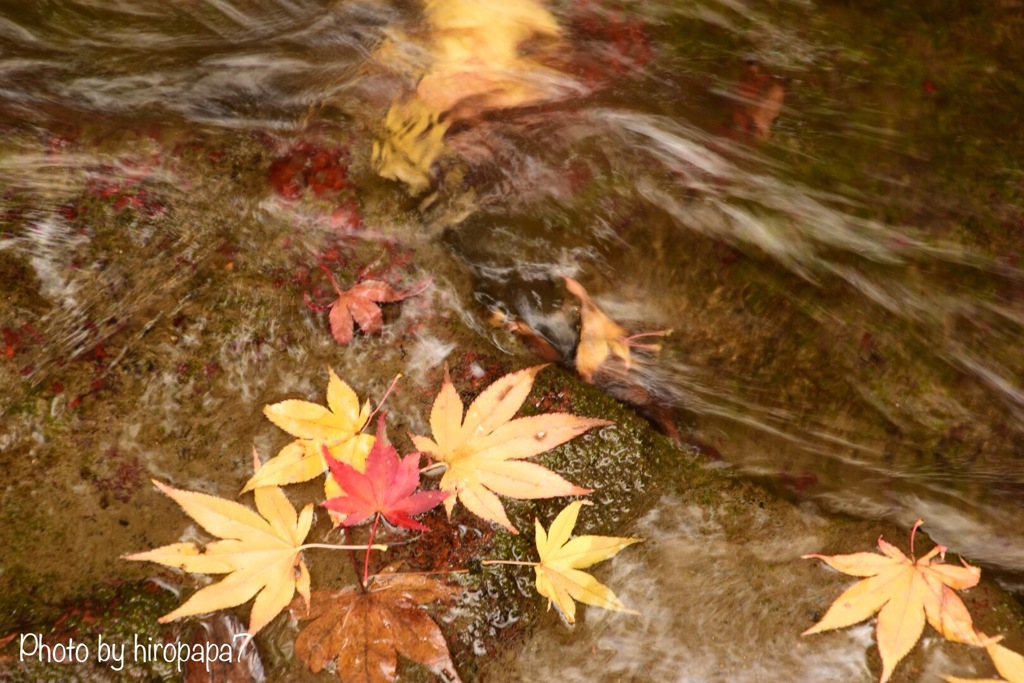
x=483, y=452
x=905, y=593
x=387, y=488
x=1008, y=663
x=367, y=630
x=559, y=578
x=335, y=427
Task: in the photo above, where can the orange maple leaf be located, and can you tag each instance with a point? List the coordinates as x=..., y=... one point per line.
x=601, y=338
x=905, y=593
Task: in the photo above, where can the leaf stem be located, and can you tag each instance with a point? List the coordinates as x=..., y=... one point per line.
x=439, y=571
x=366, y=564
x=429, y=469
x=387, y=393
x=328, y=546
x=517, y=562
x=913, y=532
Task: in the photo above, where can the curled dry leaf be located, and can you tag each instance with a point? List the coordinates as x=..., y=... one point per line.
x=260, y=553
x=559, y=578
x=388, y=487
x=366, y=631
x=905, y=593
x=1008, y=663
x=335, y=427
x=484, y=452
x=604, y=359
x=601, y=338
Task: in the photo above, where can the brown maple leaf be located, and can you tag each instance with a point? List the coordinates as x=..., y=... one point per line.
x=359, y=305
x=367, y=630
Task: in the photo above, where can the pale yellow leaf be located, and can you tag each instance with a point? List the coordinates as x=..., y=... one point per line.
x=482, y=450
x=859, y=602
x=1009, y=664
x=947, y=613
x=353, y=451
x=299, y=461
x=446, y=417
x=558, y=575
x=307, y=420
x=901, y=622
x=260, y=554
x=857, y=564
x=524, y=480
x=561, y=529
x=528, y=436
x=343, y=402
x=497, y=404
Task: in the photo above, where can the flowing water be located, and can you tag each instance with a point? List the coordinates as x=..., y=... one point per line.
x=824, y=201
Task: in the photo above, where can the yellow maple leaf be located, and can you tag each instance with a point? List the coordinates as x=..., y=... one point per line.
x=559, y=578
x=484, y=452
x=336, y=426
x=601, y=338
x=1008, y=663
x=905, y=593
x=260, y=554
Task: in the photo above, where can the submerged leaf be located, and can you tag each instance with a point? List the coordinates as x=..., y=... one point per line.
x=601, y=338
x=481, y=56
x=758, y=99
x=484, y=451
x=905, y=593
x=366, y=631
x=558, y=575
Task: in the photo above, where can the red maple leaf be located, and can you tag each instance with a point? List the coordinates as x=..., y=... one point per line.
x=358, y=304
x=387, y=488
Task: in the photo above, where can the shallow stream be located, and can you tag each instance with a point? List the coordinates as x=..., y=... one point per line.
x=823, y=200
